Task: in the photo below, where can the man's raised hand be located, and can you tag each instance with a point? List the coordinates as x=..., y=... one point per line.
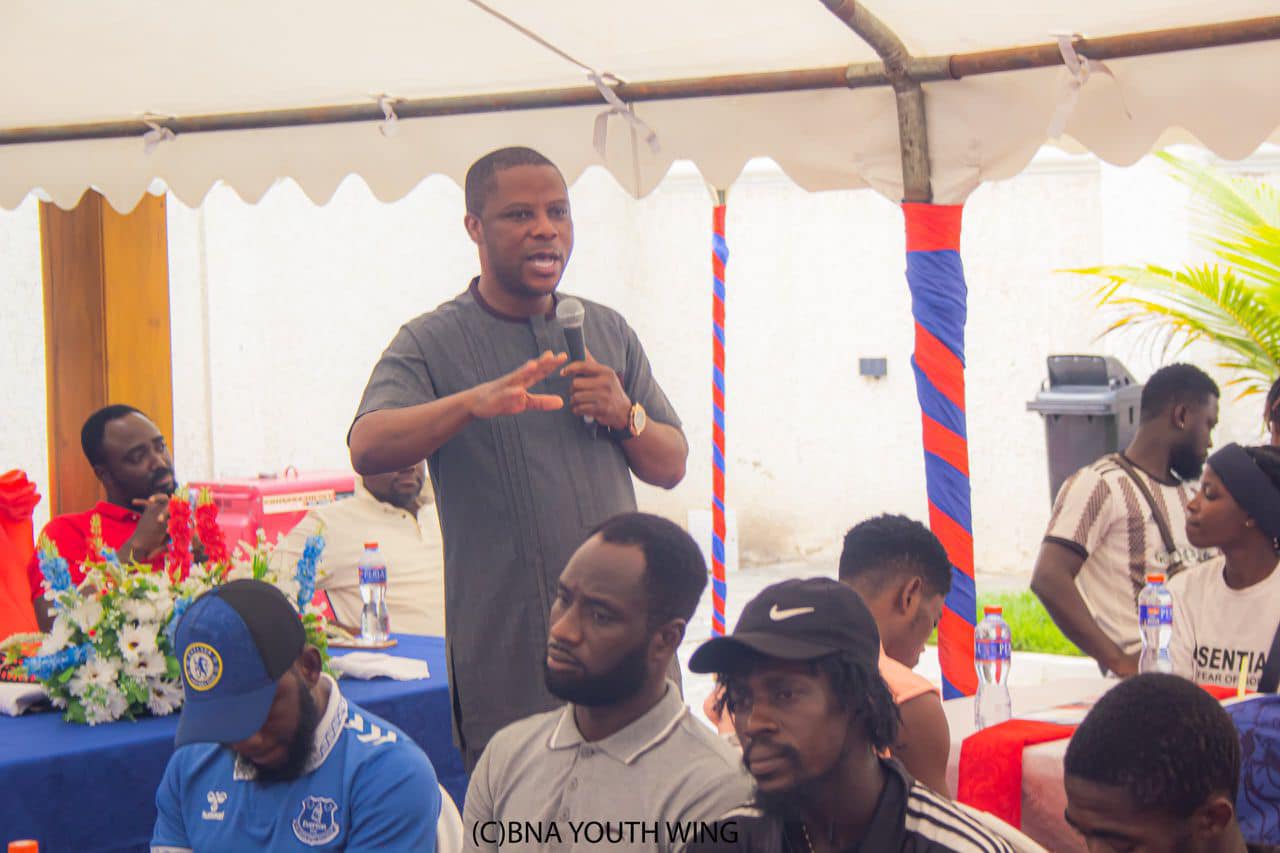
x=509, y=395
x=152, y=532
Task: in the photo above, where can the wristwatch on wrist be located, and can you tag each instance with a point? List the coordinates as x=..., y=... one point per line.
x=637, y=420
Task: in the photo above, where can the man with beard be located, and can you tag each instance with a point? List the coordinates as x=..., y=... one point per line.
x=1155, y=766
x=624, y=754
x=397, y=511
x=815, y=720
x=134, y=465
x=270, y=755
x=1123, y=516
x=902, y=573
x=525, y=458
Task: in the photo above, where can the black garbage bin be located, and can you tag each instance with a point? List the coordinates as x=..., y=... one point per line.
x=1090, y=405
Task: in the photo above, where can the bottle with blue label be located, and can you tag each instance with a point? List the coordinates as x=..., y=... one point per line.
x=1155, y=622
x=992, y=655
x=374, y=624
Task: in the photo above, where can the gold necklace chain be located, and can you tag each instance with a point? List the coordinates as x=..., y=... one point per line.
x=807, y=841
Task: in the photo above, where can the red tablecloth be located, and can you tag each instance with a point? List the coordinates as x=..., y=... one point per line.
x=991, y=761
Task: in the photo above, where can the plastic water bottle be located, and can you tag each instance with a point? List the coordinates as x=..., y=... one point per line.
x=1155, y=620
x=374, y=624
x=992, y=655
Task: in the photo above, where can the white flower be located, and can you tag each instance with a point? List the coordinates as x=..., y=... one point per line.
x=137, y=640
x=163, y=586
x=98, y=671
x=163, y=697
x=87, y=614
x=106, y=706
x=240, y=571
x=146, y=665
x=140, y=610
x=59, y=636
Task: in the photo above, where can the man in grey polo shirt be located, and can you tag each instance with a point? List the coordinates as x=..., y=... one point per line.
x=624, y=764
x=520, y=477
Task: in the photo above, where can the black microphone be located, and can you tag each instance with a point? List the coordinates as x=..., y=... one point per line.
x=571, y=314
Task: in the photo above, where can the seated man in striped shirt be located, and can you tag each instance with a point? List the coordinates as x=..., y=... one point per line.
x=815, y=718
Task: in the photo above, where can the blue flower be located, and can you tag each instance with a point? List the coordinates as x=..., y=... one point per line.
x=110, y=555
x=179, y=607
x=306, y=571
x=54, y=569
x=45, y=667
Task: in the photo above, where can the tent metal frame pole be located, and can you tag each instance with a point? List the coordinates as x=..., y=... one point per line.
x=913, y=127
x=855, y=76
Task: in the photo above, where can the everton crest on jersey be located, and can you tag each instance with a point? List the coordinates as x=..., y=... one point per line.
x=317, y=822
x=211, y=799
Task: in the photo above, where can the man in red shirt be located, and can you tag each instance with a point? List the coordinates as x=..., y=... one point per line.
x=134, y=465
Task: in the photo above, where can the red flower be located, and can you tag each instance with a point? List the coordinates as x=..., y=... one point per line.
x=215, y=545
x=178, y=561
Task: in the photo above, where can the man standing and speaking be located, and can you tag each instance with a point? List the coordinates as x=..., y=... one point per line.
x=521, y=475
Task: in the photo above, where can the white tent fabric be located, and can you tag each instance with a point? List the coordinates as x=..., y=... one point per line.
x=65, y=61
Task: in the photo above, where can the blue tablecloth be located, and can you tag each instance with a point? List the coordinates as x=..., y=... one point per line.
x=92, y=788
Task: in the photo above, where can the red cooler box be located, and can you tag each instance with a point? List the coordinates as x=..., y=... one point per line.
x=274, y=503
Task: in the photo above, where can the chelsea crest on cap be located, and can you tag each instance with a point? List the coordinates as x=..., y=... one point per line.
x=234, y=643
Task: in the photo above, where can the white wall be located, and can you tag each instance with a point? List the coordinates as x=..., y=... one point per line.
x=280, y=310
x=22, y=425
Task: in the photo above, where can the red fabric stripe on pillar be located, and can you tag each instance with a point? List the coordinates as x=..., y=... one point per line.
x=941, y=365
x=932, y=227
x=955, y=637
x=946, y=445
x=954, y=538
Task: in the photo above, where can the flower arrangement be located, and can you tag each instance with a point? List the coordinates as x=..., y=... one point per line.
x=110, y=652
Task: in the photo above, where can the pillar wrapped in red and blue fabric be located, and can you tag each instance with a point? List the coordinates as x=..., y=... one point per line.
x=939, y=307
x=719, y=257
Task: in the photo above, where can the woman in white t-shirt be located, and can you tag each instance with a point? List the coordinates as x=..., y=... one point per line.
x=1226, y=611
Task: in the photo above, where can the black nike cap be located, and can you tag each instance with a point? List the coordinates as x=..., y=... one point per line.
x=799, y=619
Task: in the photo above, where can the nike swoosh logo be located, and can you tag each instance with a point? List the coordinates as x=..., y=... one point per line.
x=778, y=615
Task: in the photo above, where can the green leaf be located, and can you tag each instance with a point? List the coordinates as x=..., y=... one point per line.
x=1233, y=302
x=133, y=691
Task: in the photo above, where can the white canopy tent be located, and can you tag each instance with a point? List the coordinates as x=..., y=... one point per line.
x=68, y=64
x=115, y=96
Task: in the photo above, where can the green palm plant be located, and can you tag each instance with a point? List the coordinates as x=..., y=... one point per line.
x=1232, y=301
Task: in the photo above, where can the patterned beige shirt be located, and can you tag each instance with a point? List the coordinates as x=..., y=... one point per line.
x=1101, y=515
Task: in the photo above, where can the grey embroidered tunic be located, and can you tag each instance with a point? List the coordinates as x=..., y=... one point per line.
x=516, y=495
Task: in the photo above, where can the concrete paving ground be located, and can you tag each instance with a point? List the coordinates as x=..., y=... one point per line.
x=743, y=585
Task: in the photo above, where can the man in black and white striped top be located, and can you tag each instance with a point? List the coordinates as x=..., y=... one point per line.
x=815, y=720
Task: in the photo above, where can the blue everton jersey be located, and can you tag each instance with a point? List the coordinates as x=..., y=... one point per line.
x=367, y=787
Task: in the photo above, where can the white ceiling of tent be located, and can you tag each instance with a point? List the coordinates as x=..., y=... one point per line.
x=64, y=61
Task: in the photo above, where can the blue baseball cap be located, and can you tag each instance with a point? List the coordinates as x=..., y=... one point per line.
x=234, y=644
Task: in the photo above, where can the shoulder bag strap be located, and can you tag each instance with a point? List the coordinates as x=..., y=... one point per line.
x=1166, y=534
x=1270, y=678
